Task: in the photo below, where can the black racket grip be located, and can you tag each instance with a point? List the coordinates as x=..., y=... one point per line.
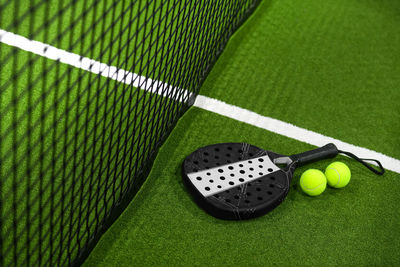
x=325, y=152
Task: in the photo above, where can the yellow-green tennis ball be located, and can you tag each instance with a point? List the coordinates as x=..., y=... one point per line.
x=313, y=182
x=338, y=174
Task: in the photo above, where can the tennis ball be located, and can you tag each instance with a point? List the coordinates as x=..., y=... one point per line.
x=338, y=174
x=313, y=182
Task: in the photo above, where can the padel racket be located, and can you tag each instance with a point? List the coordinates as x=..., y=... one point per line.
x=237, y=181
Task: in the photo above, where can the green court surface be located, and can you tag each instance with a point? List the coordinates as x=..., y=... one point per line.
x=331, y=67
x=356, y=225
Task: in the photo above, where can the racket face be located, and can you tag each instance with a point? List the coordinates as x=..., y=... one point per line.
x=235, y=181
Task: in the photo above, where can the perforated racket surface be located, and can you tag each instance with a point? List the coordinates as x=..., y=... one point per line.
x=239, y=181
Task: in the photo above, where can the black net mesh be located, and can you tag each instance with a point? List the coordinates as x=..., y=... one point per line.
x=89, y=89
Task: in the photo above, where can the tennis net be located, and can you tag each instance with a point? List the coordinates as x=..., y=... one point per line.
x=89, y=89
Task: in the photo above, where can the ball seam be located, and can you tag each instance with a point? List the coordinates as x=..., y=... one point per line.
x=312, y=189
x=337, y=174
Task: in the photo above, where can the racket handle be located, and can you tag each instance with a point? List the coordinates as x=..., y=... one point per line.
x=325, y=152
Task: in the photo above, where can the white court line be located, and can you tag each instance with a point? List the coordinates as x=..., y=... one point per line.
x=93, y=66
x=204, y=102
x=290, y=130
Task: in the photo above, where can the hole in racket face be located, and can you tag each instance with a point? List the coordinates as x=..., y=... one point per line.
x=234, y=174
x=244, y=183
x=253, y=195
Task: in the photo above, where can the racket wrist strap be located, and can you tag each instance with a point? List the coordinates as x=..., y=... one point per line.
x=380, y=170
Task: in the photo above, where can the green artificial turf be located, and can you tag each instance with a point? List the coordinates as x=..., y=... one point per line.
x=332, y=67
x=358, y=225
